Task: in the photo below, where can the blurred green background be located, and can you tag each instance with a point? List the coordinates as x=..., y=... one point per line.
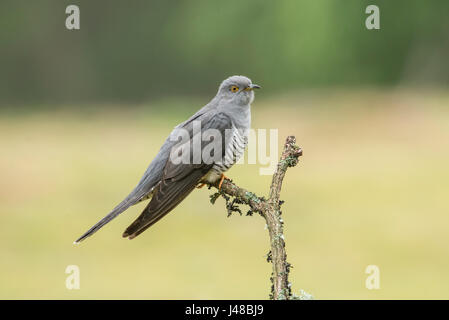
x=83, y=112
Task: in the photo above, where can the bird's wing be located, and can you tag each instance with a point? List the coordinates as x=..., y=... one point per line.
x=179, y=180
x=150, y=178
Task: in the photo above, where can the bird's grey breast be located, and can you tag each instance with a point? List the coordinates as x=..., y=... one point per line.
x=236, y=138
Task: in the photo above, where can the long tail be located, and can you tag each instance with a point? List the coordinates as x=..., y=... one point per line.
x=114, y=213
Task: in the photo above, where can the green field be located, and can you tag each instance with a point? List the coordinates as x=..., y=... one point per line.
x=371, y=189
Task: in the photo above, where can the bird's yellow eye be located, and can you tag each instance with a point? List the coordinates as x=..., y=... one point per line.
x=234, y=88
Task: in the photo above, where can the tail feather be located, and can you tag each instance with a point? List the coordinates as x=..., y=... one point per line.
x=114, y=213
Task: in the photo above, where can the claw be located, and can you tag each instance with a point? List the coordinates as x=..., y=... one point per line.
x=221, y=180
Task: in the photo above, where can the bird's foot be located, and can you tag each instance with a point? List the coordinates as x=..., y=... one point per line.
x=200, y=185
x=221, y=180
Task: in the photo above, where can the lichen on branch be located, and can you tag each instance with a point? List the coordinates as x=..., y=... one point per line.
x=270, y=210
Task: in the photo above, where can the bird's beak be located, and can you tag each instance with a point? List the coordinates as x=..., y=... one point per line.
x=252, y=87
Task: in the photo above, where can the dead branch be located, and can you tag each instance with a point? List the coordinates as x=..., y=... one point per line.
x=270, y=210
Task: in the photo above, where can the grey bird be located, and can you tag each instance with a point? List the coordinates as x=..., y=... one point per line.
x=167, y=182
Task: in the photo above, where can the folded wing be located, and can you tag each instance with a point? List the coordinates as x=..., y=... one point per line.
x=180, y=179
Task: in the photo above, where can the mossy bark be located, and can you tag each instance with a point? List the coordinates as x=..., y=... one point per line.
x=270, y=210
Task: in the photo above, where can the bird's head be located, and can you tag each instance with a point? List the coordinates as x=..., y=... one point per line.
x=238, y=90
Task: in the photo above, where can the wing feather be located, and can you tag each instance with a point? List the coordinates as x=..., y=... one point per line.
x=150, y=178
x=178, y=181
